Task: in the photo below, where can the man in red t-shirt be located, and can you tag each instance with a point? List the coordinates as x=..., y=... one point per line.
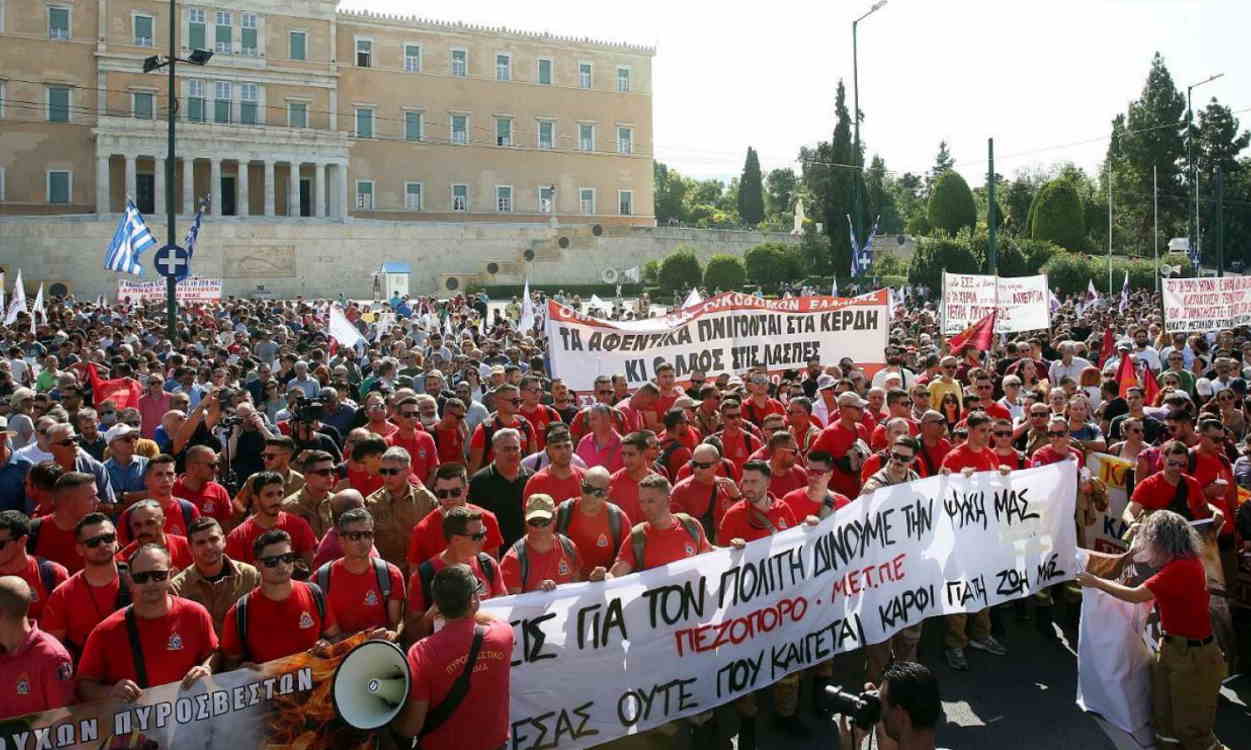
x=705, y=493
x=625, y=482
x=560, y=479
x=93, y=593
x=197, y=485
x=839, y=439
x=480, y=720
x=412, y=437
x=280, y=617
x=507, y=402
x=662, y=537
x=596, y=526
x=1216, y=476
x=176, y=638
x=787, y=474
x=816, y=498
x=159, y=478
x=934, y=444
x=147, y=522
x=451, y=489
x=464, y=534
x=758, y=404
x=363, y=592
x=542, y=559
x=1059, y=446
x=897, y=406
x=537, y=414
x=737, y=442
x=985, y=387
x=450, y=434
x=41, y=575
x=74, y=496
x=38, y=672
x=267, y=489
x=676, y=443
x=1172, y=489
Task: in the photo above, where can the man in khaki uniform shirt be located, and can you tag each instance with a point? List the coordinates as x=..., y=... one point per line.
x=397, y=507
x=312, y=502
x=215, y=580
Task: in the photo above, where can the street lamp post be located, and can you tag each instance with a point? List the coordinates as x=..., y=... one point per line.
x=198, y=57
x=855, y=118
x=1195, y=242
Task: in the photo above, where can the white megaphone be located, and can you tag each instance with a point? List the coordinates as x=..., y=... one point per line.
x=371, y=684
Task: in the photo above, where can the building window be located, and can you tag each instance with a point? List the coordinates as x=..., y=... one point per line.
x=460, y=63
x=504, y=199
x=143, y=105
x=625, y=140
x=195, y=29
x=547, y=199
x=365, y=195
x=297, y=114
x=412, y=196
x=221, y=102
x=143, y=30
x=364, y=122
x=195, y=100
x=584, y=75
x=2, y=93
x=222, y=31
x=460, y=197
x=586, y=137
x=586, y=201
x=60, y=185
x=364, y=53
x=503, y=131
x=58, y=104
x=298, y=41
x=625, y=202
x=247, y=35
x=460, y=129
x=58, y=23
x=249, y=104
x=503, y=67
x=412, y=58
x=547, y=134
x=412, y=126
x=623, y=80
x=545, y=71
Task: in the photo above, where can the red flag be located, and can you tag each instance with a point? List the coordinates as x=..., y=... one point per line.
x=1150, y=387
x=979, y=335
x=1126, y=377
x=123, y=392
x=1105, y=350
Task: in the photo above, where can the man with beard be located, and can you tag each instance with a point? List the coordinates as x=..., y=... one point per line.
x=413, y=437
x=267, y=515
x=77, y=606
x=147, y=526
x=213, y=580
x=42, y=575
x=560, y=478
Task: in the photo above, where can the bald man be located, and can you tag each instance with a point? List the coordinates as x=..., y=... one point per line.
x=39, y=674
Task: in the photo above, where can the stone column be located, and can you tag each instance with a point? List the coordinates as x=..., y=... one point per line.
x=188, y=186
x=242, y=200
x=269, y=188
x=293, y=189
x=215, y=185
x=319, y=190
x=344, y=206
x=131, y=182
x=102, y=185
x=158, y=186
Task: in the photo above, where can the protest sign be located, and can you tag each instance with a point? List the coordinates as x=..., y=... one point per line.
x=1022, y=302
x=1206, y=304
x=597, y=661
x=281, y=703
x=190, y=290
x=1118, y=475
x=727, y=333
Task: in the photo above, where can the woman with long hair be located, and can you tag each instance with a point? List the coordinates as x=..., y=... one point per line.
x=950, y=409
x=1225, y=406
x=1133, y=444
x=1030, y=377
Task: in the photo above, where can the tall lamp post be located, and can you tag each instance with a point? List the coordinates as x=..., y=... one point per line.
x=1190, y=159
x=855, y=117
x=198, y=57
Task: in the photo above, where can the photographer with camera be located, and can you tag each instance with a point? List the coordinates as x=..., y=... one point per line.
x=903, y=713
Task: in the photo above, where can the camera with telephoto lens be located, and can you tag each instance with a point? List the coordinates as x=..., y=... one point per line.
x=865, y=709
x=308, y=410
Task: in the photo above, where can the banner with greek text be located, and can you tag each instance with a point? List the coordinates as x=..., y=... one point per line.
x=1117, y=474
x=189, y=291
x=284, y=703
x=597, y=661
x=727, y=333
x=1208, y=304
x=1023, y=302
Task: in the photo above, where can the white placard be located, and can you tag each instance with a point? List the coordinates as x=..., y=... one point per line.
x=1023, y=302
x=1206, y=304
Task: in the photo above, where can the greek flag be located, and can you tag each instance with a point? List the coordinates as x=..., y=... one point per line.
x=129, y=240
x=194, y=231
x=861, y=255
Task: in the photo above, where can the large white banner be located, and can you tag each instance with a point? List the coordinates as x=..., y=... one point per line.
x=597, y=661
x=1022, y=302
x=727, y=333
x=1118, y=475
x=188, y=291
x=1207, y=304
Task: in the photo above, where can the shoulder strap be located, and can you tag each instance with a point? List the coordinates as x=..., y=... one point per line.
x=47, y=575
x=136, y=648
x=425, y=572
x=32, y=535
x=439, y=715
x=638, y=544
x=487, y=563
x=323, y=577
x=692, y=527
x=564, y=514
x=188, y=511
x=523, y=559
x=567, y=545
x=241, y=626
x=662, y=461
x=319, y=599
x=615, y=518
x=1191, y=460
x=383, y=574
x=1179, y=504
x=123, y=588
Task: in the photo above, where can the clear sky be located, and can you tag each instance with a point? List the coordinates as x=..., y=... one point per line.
x=1043, y=78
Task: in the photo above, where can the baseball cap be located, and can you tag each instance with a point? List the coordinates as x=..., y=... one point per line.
x=118, y=431
x=540, y=506
x=849, y=398
x=825, y=381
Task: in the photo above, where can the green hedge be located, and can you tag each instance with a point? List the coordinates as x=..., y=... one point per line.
x=724, y=272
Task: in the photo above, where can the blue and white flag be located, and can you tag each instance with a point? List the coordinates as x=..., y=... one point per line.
x=866, y=250
x=1125, y=294
x=193, y=232
x=130, y=239
x=855, y=248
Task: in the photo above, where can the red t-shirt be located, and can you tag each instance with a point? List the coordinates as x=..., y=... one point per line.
x=520, y=424
x=451, y=445
x=76, y=607
x=356, y=600
x=663, y=546
x=930, y=460
x=239, y=541
x=40, y=593
x=277, y=629
x=783, y=482
x=594, y=538
x=836, y=440
x=384, y=430
x=624, y=493
x=487, y=587
x=364, y=482
x=1181, y=597
x=962, y=456
x=877, y=441
x=426, y=539
x=172, y=645
x=802, y=506
x=692, y=498
x=179, y=551
x=1047, y=455
x=175, y=522
x=37, y=676
x=212, y=499
x=57, y=545
x=739, y=522
x=1208, y=468
x=540, y=418
x=1155, y=493
x=421, y=449
x=674, y=453
x=560, y=489
x=556, y=564
x=435, y=663
x=756, y=414
x=739, y=447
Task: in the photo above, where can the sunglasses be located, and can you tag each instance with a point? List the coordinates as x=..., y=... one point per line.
x=321, y=472
x=514, y=401
x=357, y=536
x=274, y=561
x=390, y=472
x=900, y=458
x=1003, y=433
x=149, y=575
x=65, y=443
x=96, y=541
x=445, y=494
x=593, y=490
x=1054, y=434
x=603, y=393
x=410, y=414
x=539, y=523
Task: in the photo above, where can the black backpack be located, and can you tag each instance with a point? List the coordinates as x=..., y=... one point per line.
x=523, y=557
x=381, y=572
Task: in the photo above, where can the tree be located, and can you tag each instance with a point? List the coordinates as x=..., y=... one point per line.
x=680, y=270
x=1056, y=215
x=829, y=172
x=937, y=254
x=669, y=189
x=880, y=199
x=951, y=205
x=724, y=272
x=751, y=207
x=772, y=263
x=943, y=163
x=780, y=195
x=1217, y=145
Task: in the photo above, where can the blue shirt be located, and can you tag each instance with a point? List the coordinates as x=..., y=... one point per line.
x=127, y=478
x=12, y=492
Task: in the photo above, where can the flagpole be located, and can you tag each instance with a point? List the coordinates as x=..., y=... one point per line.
x=171, y=283
x=1155, y=197
x=1109, y=227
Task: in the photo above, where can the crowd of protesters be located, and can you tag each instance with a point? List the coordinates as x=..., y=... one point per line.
x=255, y=489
